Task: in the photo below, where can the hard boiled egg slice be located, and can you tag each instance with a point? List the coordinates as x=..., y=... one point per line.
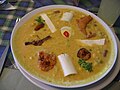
x=66, y=31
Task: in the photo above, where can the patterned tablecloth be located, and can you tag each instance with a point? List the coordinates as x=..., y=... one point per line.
x=8, y=18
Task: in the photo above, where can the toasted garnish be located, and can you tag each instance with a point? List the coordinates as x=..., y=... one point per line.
x=82, y=23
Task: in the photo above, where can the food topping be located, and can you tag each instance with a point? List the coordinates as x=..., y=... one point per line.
x=91, y=42
x=39, y=26
x=46, y=61
x=38, y=42
x=66, y=31
x=86, y=65
x=82, y=23
x=40, y=23
x=67, y=16
x=48, y=22
x=66, y=34
x=40, y=20
x=66, y=64
x=105, y=53
x=84, y=54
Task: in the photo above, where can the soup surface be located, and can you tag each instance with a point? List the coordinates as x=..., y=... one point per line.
x=37, y=47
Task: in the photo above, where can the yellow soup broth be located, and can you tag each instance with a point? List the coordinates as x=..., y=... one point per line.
x=27, y=55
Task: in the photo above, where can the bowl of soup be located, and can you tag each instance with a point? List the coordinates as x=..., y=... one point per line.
x=64, y=46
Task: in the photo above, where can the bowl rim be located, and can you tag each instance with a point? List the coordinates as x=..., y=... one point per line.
x=27, y=16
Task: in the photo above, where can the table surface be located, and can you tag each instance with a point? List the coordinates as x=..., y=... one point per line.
x=8, y=18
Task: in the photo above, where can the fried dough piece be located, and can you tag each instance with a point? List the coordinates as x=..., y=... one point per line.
x=82, y=23
x=46, y=61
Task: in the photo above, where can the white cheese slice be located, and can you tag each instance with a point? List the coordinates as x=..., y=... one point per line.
x=67, y=16
x=66, y=64
x=48, y=22
x=91, y=42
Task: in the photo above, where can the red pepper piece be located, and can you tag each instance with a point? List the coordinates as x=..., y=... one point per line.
x=66, y=34
x=39, y=26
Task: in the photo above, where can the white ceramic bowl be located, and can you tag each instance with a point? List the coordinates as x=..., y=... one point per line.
x=109, y=31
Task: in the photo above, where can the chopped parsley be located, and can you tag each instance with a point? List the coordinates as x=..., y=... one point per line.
x=40, y=20
x=86, y=65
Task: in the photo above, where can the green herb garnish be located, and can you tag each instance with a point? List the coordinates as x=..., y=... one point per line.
x=40, y=20
x=86, y=65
